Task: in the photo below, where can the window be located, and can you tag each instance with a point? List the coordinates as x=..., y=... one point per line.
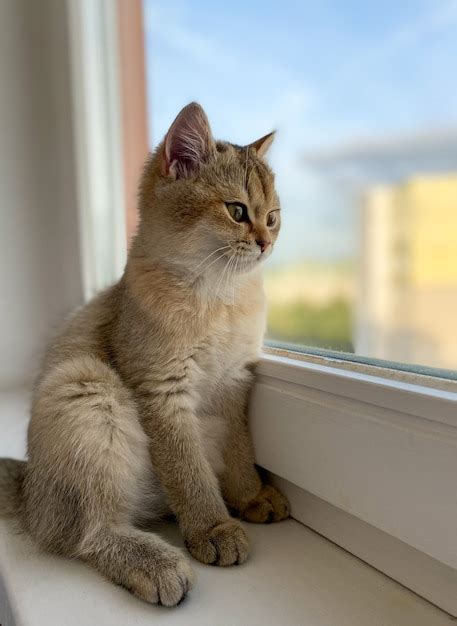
x=366, y=159
x=368, y=237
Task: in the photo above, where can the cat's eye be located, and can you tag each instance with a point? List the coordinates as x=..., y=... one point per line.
x=271, y=219
x=237, y=211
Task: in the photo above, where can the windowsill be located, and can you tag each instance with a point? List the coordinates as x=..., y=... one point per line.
x=293, y=577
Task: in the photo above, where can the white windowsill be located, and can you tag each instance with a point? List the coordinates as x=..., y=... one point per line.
x=293, y=577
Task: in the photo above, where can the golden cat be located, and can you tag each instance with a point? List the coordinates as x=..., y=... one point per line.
x=141, y=406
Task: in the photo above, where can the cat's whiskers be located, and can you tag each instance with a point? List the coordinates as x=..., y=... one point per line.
x=208, y=266
x=208, y=257
x=229, y=270
x=219, y=283
x=231, y=277
x=223, y=278
x=234, y=273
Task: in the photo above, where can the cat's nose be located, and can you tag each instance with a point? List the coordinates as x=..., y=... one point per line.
x=263, y=244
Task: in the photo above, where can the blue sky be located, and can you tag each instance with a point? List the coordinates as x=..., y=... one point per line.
x=323, y=73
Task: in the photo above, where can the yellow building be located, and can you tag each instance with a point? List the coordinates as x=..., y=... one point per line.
x=407, y=296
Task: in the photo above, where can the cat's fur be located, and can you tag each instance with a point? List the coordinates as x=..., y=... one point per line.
x=141, y=406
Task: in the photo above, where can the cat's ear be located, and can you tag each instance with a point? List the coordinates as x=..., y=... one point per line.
x=188, y=143
x=262, y=145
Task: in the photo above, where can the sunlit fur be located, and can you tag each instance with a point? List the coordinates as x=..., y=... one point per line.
x=141, y=406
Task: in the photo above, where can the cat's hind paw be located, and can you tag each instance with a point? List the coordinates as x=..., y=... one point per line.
x=225, y=544
x=268, y=506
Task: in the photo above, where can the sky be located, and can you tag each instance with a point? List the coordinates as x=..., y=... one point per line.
x=323, y=73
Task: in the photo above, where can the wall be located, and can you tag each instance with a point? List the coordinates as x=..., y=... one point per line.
x=133, y=100
x=40, y=279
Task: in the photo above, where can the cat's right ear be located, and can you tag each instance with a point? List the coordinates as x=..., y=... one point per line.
x=188, y=143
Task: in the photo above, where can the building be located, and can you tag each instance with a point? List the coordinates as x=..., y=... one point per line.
x=406, y=307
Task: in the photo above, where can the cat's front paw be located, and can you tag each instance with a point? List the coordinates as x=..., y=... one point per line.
x=164, y=580
x=268, y=506
x=225, y=544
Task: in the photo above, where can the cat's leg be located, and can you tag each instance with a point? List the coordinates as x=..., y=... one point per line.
x=240, y=482
x=141, y=562
x=178, y=456
x=88, y=473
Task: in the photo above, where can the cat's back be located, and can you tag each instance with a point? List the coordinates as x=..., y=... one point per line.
x=86, y=332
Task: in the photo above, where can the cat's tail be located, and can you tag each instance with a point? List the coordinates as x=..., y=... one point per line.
x=11, y=479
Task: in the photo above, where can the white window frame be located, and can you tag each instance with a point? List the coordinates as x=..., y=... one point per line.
x=97, y=120
x=381, y=451
x=368, y=460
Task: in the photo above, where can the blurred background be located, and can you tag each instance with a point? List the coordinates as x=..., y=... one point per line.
x=365, y=104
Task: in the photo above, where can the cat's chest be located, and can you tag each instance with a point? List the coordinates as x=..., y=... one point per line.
x=221, y=360
x=229, y=345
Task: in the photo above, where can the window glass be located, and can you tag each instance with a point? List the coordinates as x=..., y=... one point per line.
x=365, y=102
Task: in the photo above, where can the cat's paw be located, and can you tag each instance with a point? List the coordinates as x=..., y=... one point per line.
x=167, y=583
x=225, y=544
x=268, y=506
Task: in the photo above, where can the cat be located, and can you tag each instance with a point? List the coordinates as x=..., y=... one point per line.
x=140, y=409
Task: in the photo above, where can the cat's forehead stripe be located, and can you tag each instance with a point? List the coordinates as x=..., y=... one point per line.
x=258, y=184
x=256, y=175
x=263, y=177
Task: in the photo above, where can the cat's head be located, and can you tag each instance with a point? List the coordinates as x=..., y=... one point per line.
x=208, y=204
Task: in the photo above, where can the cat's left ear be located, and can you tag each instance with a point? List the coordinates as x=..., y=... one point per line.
x=188, y=143
x=262, y=145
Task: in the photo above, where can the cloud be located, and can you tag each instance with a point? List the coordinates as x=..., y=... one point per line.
x=387, y=158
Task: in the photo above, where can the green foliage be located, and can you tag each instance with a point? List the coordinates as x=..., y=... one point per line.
x=326, y=326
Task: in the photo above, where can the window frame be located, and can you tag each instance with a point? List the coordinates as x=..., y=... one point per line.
x=97, y=124
x=368, y=459
x=297, y=409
